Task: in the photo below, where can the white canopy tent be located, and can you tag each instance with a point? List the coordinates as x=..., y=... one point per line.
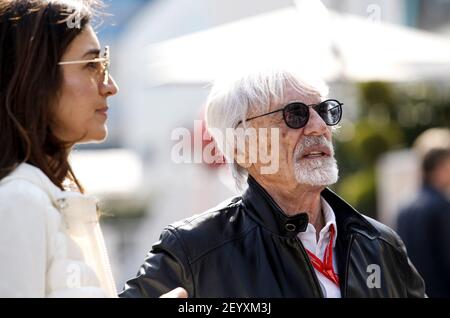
x=305, y=37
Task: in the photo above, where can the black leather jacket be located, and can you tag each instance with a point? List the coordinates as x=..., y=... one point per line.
x=247, y=247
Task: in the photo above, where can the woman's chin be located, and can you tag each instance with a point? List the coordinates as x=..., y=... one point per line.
x=96, y=137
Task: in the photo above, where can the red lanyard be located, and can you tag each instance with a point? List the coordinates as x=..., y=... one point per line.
x=326, y=267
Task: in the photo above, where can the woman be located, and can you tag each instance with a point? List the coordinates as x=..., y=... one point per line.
x=54, y=86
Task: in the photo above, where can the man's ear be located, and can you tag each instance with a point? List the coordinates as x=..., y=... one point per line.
x=243, y=155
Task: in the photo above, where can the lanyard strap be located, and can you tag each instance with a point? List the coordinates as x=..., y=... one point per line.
x=326, y=267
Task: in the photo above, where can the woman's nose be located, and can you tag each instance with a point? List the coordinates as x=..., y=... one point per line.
x=111, y=88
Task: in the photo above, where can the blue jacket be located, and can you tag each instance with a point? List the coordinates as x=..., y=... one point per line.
x=424, y=226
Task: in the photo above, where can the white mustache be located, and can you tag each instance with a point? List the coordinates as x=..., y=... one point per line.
x=310, y=141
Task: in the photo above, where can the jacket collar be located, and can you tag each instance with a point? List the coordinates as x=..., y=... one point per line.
x=261, y=207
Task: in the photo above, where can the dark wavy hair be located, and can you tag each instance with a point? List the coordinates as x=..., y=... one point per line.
x=34, y=34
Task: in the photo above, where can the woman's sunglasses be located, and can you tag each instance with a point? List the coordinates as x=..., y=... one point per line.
x=296, y=114
x=102, y=62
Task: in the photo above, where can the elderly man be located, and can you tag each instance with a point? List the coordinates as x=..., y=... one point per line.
x=288, y=235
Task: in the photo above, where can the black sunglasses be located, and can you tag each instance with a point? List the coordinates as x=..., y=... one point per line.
x=296, y=114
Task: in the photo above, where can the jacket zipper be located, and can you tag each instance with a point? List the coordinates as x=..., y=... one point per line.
x=311, y=268
x=347, y=262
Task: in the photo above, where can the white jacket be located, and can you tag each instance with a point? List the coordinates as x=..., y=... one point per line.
x=51, y=244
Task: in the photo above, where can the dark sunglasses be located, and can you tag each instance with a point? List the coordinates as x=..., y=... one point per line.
x=296, y=114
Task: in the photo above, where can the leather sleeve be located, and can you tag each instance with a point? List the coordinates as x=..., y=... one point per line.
x=165, y=268
x=414, y=283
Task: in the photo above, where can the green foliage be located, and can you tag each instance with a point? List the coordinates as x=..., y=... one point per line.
x=391, y=116
x=372, y=140
x=358, y=189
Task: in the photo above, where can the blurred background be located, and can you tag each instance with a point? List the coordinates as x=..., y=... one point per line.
x=388, y=61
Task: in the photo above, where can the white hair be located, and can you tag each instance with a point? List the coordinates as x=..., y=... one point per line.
x=231, y=100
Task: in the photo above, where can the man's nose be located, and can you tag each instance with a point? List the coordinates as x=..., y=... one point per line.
x=315, y=125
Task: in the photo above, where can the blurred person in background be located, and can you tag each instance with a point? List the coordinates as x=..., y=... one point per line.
x=288, y=235
x=54, y=86
x=424, y=223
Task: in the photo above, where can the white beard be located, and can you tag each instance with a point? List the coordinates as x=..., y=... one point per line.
x=315, y=172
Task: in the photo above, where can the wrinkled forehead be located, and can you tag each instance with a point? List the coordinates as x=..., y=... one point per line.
x=272, y=91
x=292, y=93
